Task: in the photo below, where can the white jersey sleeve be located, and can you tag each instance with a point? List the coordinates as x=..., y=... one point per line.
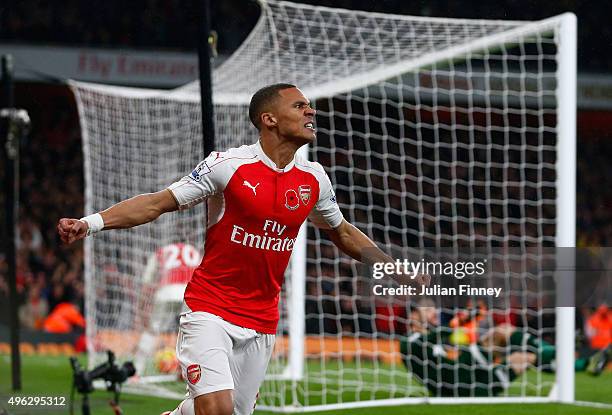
x=326, y=214
x=208, y=178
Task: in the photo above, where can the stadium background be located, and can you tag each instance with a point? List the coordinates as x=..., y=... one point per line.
x=51, y=159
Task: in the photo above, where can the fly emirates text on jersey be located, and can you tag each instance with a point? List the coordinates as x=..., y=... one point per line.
x=273, y=242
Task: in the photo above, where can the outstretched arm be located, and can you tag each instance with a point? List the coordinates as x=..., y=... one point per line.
x=132, y=212
x=357, y=245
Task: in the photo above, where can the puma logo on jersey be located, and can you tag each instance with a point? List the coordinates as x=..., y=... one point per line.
x=250, y=186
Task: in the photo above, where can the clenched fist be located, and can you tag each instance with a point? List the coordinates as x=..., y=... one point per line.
x=71, y=230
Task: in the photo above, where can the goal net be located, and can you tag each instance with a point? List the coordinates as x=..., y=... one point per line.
x=436, y=133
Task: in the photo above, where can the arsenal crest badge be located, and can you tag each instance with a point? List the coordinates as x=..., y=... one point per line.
x=194, y=373
x=304, y=193
x=291, y=200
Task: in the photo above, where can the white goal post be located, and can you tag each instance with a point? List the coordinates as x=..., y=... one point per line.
x=435, y=132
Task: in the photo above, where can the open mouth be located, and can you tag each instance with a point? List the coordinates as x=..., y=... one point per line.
x=310, y=126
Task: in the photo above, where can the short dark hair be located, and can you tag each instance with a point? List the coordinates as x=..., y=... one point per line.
x=262, y=98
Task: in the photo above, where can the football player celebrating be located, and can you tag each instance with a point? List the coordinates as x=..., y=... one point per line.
x=166, y=275
x=258, y=197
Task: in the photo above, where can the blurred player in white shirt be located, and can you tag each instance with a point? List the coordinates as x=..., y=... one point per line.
x=165, y=278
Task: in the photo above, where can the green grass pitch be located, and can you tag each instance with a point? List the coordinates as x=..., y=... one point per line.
x=51, y=376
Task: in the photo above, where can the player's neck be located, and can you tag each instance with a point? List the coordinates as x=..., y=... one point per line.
x=281, y=152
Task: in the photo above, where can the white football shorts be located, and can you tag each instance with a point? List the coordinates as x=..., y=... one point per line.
x=216, y=355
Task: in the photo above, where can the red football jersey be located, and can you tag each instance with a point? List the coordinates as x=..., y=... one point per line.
x=255, y=211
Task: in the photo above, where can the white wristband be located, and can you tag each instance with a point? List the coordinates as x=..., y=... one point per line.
x=95, y=222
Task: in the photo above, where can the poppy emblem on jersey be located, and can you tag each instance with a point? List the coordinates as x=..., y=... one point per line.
x=291, y=200
x=304, y=193
x=194, y=373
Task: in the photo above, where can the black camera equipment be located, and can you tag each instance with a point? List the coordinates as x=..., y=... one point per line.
x=108, y=371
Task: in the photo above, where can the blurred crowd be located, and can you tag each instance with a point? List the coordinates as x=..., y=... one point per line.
x=50, y=274
x=340, y=307
x=594, y=193
x=51, y=186
x=173, y=23
x=159, y=24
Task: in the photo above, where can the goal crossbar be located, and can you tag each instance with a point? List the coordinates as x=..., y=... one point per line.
x=494, y=164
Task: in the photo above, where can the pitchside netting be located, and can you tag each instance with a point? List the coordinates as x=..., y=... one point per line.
x=435, y=133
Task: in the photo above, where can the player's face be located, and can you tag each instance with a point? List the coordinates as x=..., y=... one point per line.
x=429, y=315
x=295, y=116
